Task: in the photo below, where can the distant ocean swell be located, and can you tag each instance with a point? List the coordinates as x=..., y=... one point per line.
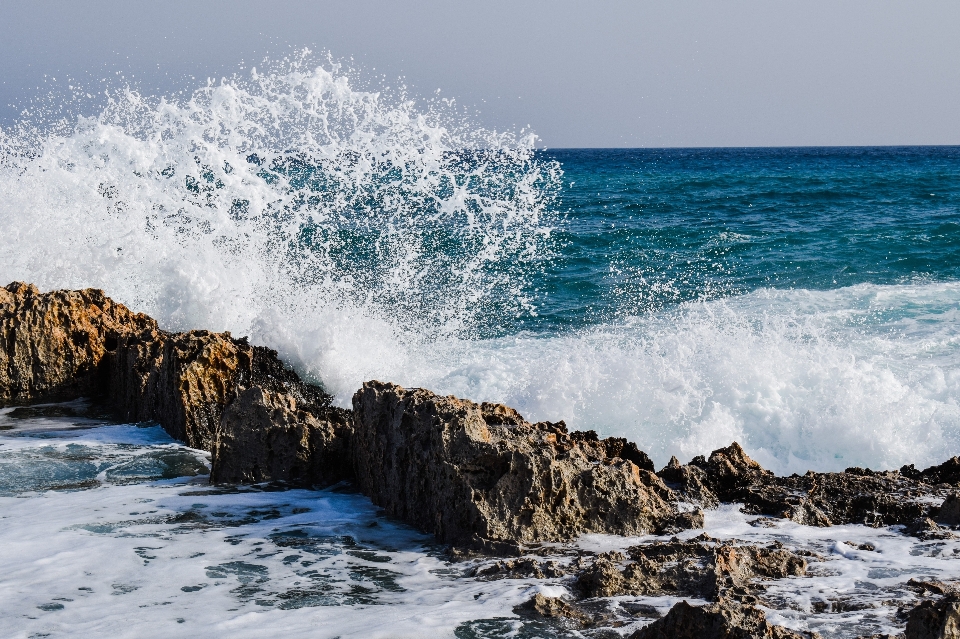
x=365, y=237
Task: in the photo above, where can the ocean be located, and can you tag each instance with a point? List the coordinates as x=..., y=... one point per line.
x=800, y=301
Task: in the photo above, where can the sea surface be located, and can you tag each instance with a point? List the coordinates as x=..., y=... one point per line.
x=801, y=301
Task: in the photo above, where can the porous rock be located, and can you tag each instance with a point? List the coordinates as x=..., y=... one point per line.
x=62, y=345
x=938, y=619
x=53, y=345
x=265, y=436
x=480, y=475
x=701, y=567
x=724, y=620
x=855, y=496
x=553, y=608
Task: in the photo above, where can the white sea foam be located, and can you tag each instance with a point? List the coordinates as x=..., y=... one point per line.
x=131, y=555
x=363, y=237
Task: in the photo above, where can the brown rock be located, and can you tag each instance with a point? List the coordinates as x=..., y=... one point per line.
x=263, y=436
x=53, y=345
x=552, y=608
x=858, y=496
x=935, y=619
x=949, y=514
x=700, y=568
x=67, y=344
x=726, y=620
x=480, y=475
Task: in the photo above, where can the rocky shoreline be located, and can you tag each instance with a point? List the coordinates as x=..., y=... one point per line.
x=478, y=476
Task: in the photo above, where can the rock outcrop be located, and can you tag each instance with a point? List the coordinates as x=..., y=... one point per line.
x=935, y=619
x=724, y=620
x=266, y=436
x=856, y=496
x=63, y=345
x=480, y=475
x=53, y=345
x=702, y=568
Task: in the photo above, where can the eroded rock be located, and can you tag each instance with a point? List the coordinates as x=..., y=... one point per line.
x=265, y=436
x=725, y=620
x=480, y=475
x=702, y=567
x=856, y=496
x=53, y=345
x=935, y=619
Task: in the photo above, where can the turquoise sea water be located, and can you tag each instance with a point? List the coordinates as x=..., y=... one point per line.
x=644, y=229
x=803, y=302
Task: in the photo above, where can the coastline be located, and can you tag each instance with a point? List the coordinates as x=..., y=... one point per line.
x=477, y=476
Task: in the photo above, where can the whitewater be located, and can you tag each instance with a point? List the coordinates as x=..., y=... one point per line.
x=801, y=302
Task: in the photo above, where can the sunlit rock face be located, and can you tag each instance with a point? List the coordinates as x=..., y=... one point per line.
x=479, y=474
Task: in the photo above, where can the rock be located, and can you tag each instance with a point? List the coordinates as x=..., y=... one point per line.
x=856, y=496
x=949, y=514
x=53, y=345
x=946, y=473
x=264, y=436
x=63, y=345
x=480, y=475
x=925, y=528
x=725, y=620
x=552, y=608
x=935, y=619
x=701, y=567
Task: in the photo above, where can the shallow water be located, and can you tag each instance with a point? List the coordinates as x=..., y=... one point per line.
x=113, y=530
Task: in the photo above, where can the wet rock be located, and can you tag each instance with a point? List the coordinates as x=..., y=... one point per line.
x=858, y=496
x=949, y=513
x=701, y=567
x=480, y=475
x=926, y=529
x=690, y=481
x=53, y=345
x=946, y=473
x=67, y=344
x=523, y=568
x=935, y=619
x=266, y=436
x=553, y=608
x=924, y=586
x=725, y=620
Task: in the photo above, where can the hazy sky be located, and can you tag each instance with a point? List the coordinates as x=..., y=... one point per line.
x=630, y=73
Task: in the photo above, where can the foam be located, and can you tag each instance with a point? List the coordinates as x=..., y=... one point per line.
x=364, y=236
x=170, y=557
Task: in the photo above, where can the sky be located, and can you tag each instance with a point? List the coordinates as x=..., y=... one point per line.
x=581, y=74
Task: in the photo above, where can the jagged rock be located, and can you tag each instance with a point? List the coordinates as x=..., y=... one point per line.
x=480, y=475
x=53, y=345
x=946, y=473
x=701, y=567
x=263, y=436
x=524, y=567
x=856, y=496
x=935, y=619
x=552, y=608
x=949, y=514
x=66, y=344
x=690, y=481
x=725, y=620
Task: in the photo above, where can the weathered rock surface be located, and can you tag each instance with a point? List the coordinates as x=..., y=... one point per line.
x=553, y=608
x=935, y=619
x=66, y=344
x=478, y=474
x=265, y=436
x=53, y=345
x=725, y=620
x=701, y=567
x=856, y=496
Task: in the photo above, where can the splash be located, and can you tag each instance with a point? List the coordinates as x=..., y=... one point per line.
x=285, y=204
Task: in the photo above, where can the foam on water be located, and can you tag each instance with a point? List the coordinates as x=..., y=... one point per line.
x=365, y=235
x=142, y=549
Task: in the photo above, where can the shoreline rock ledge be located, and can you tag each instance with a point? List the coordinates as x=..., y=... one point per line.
x=478, y=476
